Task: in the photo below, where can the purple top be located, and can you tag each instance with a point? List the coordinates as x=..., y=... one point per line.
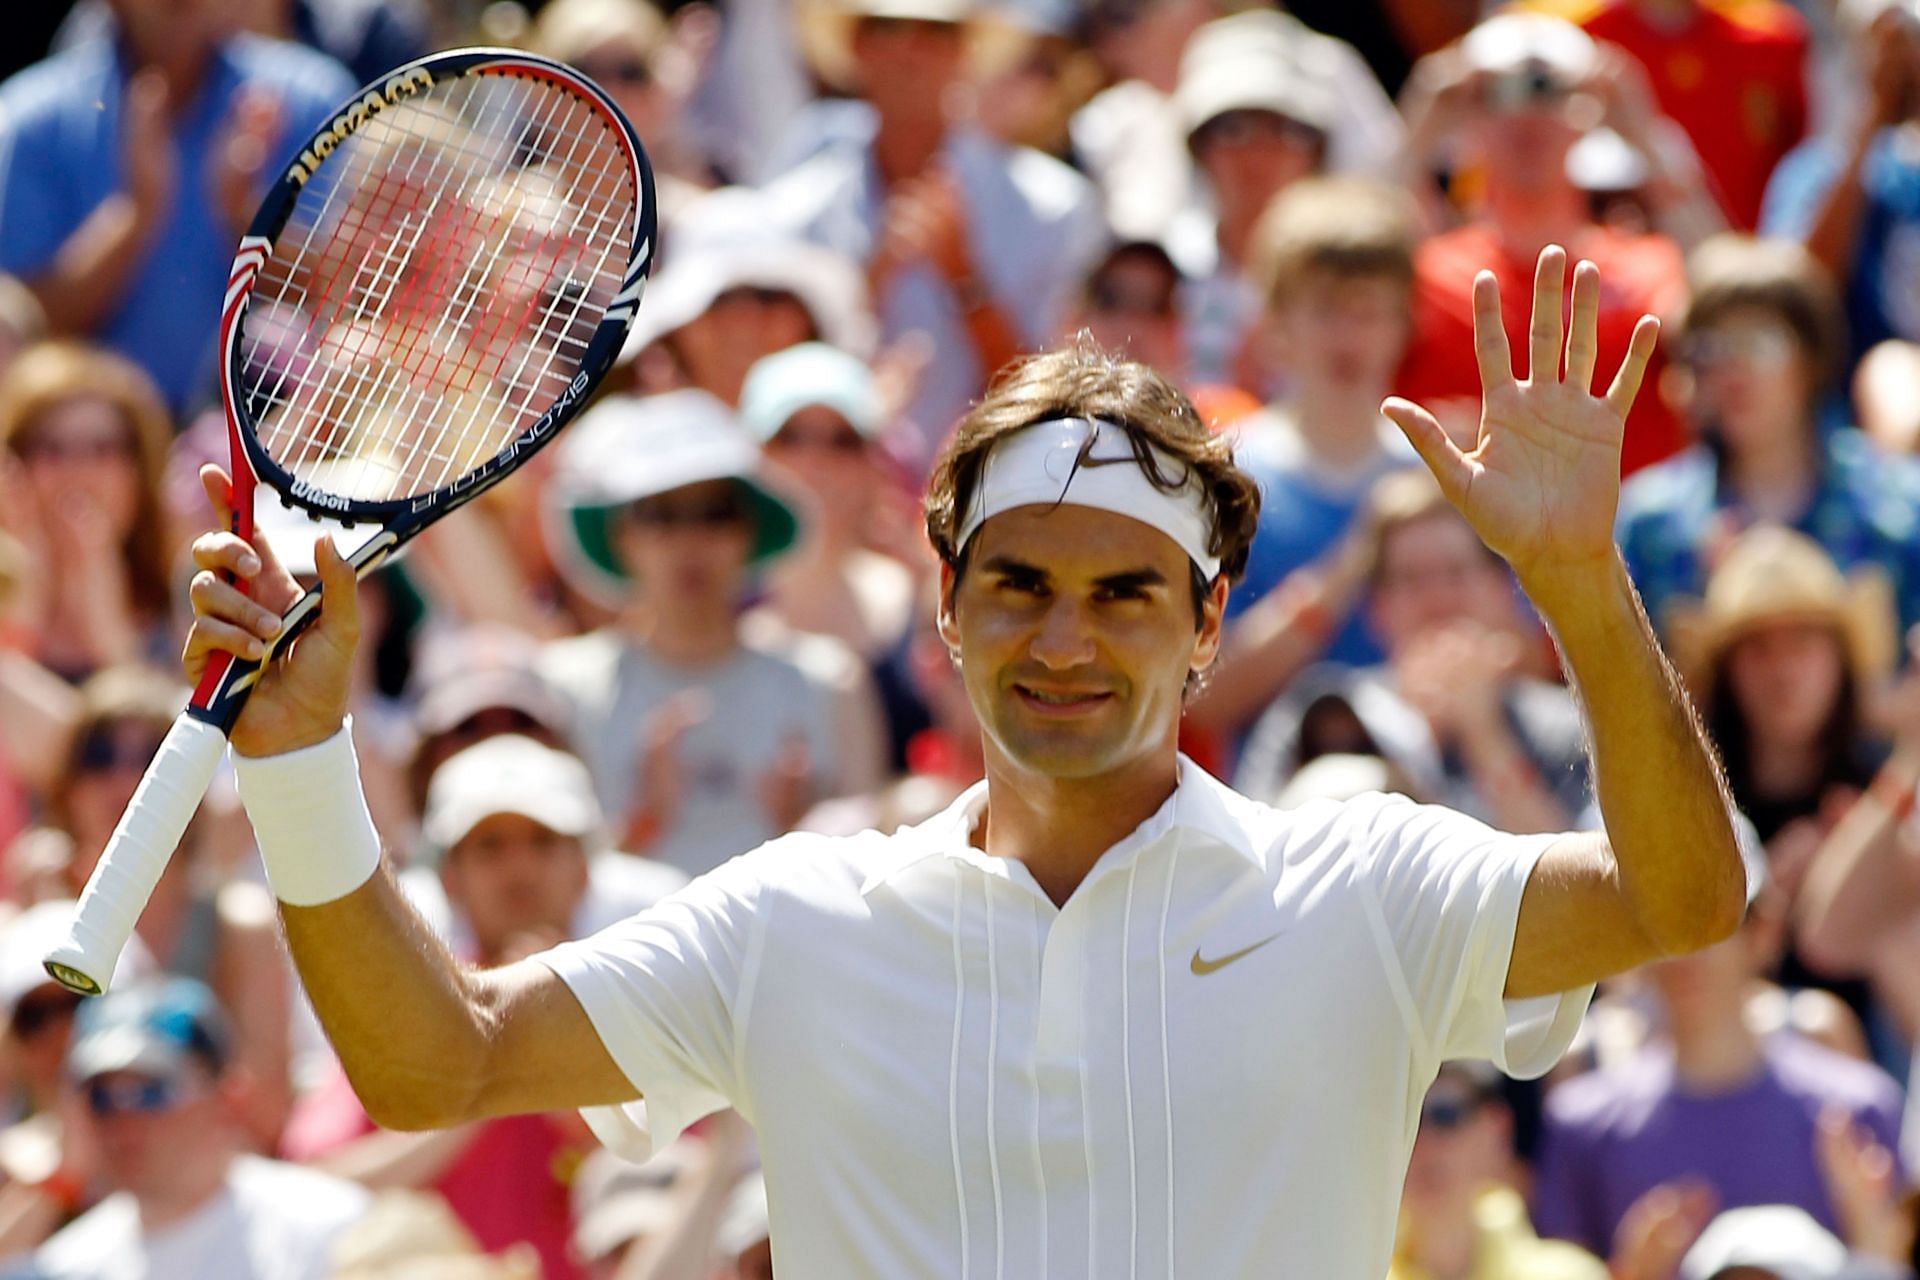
x=1613, y=1135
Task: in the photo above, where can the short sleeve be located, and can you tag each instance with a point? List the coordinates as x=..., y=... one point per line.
x=1446, y=893
x=667, y=991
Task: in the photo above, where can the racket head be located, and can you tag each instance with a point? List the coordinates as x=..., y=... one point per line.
x=435, y=284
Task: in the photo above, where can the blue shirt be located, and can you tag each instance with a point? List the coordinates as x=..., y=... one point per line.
x=1033, y=226
x=60, y=157
x=1883, y=287
x=1304, y=512
x=1865, y=510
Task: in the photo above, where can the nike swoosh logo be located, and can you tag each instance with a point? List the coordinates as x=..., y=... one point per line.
x=1201, y=968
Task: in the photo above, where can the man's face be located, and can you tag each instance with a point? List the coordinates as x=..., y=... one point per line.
x=1528, y=120
x=514, y=879
x=1250, y=156
x=149, y=1127
x=1132, y=306
x=171, y=34
x=718, y=346
x=1347, y=332
x=1075, y=631
x=1434, y=570
x=1458, y=1146
x=687, y=548
x=1788, y=678
x=907, y=66
x=1751, y=381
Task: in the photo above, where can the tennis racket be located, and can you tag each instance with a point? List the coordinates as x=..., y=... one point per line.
x=433, y=287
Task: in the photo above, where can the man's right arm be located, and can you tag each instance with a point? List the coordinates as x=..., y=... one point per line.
x=426, y=1041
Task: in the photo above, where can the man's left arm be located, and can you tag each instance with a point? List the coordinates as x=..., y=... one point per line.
x=1665, y=876
x=1541, y=486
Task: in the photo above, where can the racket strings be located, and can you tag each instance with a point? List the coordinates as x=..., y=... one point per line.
x=437, y=286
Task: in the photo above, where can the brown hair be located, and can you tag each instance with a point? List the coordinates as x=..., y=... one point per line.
x=1083, y=381
x=47, y=375
x=127, y=694
x=1396, y=501
x=1346, y=227
x=1732, y=272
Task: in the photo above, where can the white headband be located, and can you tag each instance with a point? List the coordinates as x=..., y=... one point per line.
x=1041, y=464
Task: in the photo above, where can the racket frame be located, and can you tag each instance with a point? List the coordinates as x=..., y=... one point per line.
x=171, y=790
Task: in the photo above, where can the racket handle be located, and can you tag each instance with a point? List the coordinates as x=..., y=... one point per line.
x=136, y=855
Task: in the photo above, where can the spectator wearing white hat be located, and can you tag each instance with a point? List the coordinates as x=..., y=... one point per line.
x=1778, y=1242
x=817, y=413
x=967, y=240
x=516, y=831
x=1507, y=104
x=738, y=282
x=702, y=742
x=1132, y=138
x=1257, y=112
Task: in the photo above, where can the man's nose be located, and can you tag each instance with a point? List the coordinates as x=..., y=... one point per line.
x=1065, y=638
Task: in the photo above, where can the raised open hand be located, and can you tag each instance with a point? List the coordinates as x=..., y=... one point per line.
x=1542, y=481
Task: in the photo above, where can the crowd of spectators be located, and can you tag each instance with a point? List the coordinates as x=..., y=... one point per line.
x=703, y=617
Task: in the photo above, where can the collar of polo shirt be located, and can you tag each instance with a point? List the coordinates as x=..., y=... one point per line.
x=1089, y=462
x=1199, y=804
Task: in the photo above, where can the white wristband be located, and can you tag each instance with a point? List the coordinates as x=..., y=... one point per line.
x=310, y=818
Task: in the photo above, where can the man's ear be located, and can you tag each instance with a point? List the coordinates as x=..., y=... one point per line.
x=944, y=618
x=1206, y=645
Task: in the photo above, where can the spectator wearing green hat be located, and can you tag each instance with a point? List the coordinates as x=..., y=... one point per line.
x=702, y=741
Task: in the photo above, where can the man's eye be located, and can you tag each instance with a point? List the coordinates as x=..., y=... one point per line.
x=1122, y=593
x=1025, y=586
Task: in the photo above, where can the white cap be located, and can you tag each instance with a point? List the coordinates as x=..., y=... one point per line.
x=509, y=774
x=1513, y=42
x=1779, y=1238
x=1252, y=61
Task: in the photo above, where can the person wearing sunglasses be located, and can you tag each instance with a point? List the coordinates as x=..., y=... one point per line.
x=1459, y=1213
x=154, y=1069
x=47, y=1173
x=1761, y=347
x=202, y=922
x=817, y=412
x=703, y=740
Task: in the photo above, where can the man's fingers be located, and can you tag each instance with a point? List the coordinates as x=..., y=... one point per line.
x=339, y=601
x=1626, y=383
x=1490, y=335
x=219, y=488
x=218, y=599
x=225, y=553
x=210, y=636
x=1431, y=442
x=1547, y=330
x=1583, y=341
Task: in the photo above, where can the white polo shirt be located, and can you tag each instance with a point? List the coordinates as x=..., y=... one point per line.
x=1209, y=1063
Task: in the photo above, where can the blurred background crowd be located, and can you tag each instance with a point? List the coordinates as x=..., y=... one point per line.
x=704, y=616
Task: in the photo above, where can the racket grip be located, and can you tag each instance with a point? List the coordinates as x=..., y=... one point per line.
x=136, y=855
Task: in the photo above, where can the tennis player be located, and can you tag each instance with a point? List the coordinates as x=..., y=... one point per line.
x=1103, y=1017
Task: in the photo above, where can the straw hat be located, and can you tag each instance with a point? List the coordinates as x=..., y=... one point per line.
x=826, y=33
x=1770, y=576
